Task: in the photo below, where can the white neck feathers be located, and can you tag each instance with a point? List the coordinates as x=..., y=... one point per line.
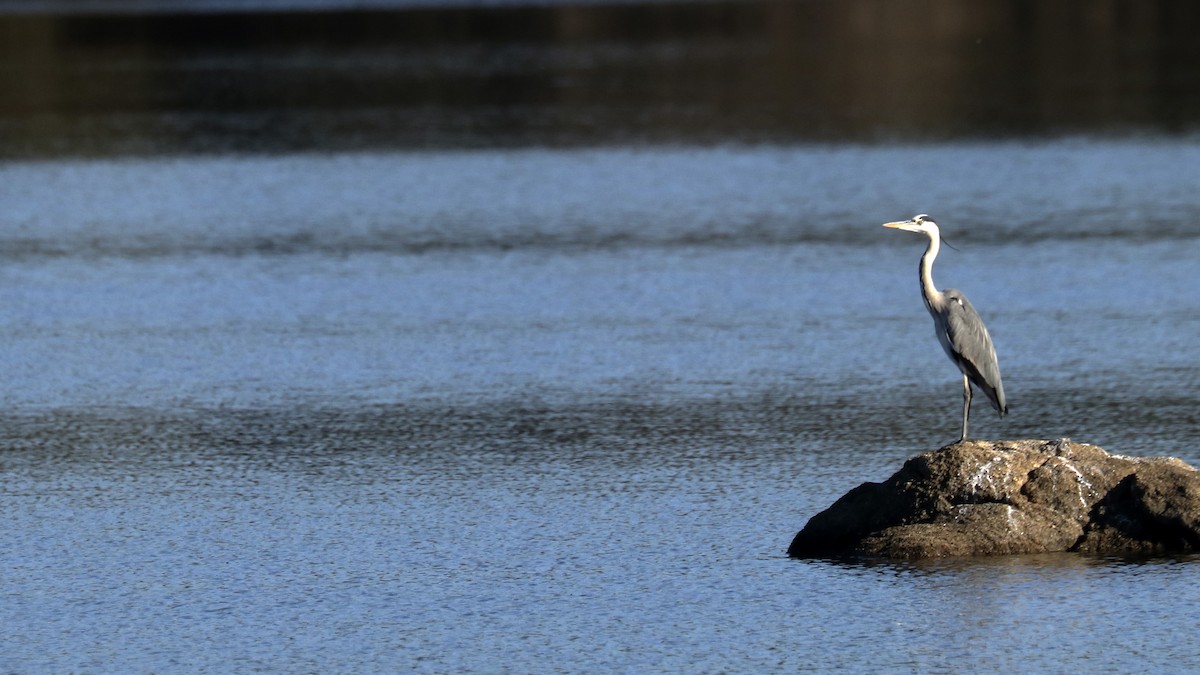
x=933, y=297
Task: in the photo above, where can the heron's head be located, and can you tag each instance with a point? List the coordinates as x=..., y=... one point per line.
x=918, y=223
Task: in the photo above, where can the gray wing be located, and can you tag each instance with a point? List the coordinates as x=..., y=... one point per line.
x=971, y=347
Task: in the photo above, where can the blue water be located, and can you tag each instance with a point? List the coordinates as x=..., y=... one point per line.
x=563, y=410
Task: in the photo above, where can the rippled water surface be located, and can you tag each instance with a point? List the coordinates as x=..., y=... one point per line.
x=496, y=351
x=564, y=409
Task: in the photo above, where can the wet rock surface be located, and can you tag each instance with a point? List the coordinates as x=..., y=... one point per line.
x=1001, y=497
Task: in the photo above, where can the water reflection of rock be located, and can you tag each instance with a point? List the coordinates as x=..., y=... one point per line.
x=1004, y=497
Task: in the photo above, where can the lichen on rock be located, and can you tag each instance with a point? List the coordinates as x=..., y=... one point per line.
x=1002, y=497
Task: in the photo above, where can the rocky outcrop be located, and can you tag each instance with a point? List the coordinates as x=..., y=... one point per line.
x=1000, y=497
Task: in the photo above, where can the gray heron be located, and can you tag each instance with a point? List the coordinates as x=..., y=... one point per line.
x=959, y=328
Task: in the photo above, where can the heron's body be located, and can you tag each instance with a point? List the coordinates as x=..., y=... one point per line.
x=959, y=328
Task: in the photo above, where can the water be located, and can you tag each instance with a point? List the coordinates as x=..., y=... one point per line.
x=510, y=406
x=309, y=411
x=508, y=73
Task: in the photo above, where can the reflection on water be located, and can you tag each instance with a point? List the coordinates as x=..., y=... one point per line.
x=317, y=411
x=755, y=277
x=1124, y=192
x=421, y=405
x=316, y=539
x=677, y=72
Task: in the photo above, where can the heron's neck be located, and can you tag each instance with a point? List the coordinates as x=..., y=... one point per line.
x=933, y=297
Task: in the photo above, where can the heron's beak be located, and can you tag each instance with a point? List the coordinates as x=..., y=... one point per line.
x=897, y=224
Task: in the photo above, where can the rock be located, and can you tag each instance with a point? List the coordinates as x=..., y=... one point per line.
x=1000, y=497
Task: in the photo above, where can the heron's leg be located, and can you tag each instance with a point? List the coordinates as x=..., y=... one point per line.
x=966, y=405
